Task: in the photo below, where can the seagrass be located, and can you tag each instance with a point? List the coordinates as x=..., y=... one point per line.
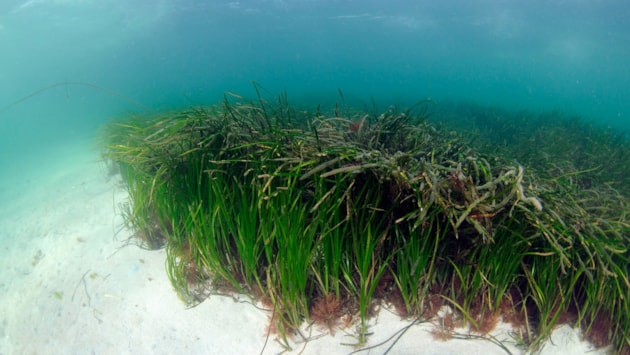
x=294, y=207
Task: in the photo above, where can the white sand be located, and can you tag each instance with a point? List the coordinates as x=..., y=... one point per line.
x=69, y=285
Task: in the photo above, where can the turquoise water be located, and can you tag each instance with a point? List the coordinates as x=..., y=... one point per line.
x=69, y=66
x=538, y=55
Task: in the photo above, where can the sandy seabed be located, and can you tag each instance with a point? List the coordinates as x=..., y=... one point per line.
x=71, y=284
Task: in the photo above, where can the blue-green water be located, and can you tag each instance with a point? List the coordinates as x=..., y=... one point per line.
x=124, y=56
x=539, y=55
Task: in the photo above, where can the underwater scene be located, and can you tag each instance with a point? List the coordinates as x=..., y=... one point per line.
x=315, y=176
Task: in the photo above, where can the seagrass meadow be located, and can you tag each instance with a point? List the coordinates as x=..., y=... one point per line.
x=321, y=215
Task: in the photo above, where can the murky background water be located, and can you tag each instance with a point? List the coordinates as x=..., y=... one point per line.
x=537, y=55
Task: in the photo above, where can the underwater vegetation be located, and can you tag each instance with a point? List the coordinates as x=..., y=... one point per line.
x=323, y=216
